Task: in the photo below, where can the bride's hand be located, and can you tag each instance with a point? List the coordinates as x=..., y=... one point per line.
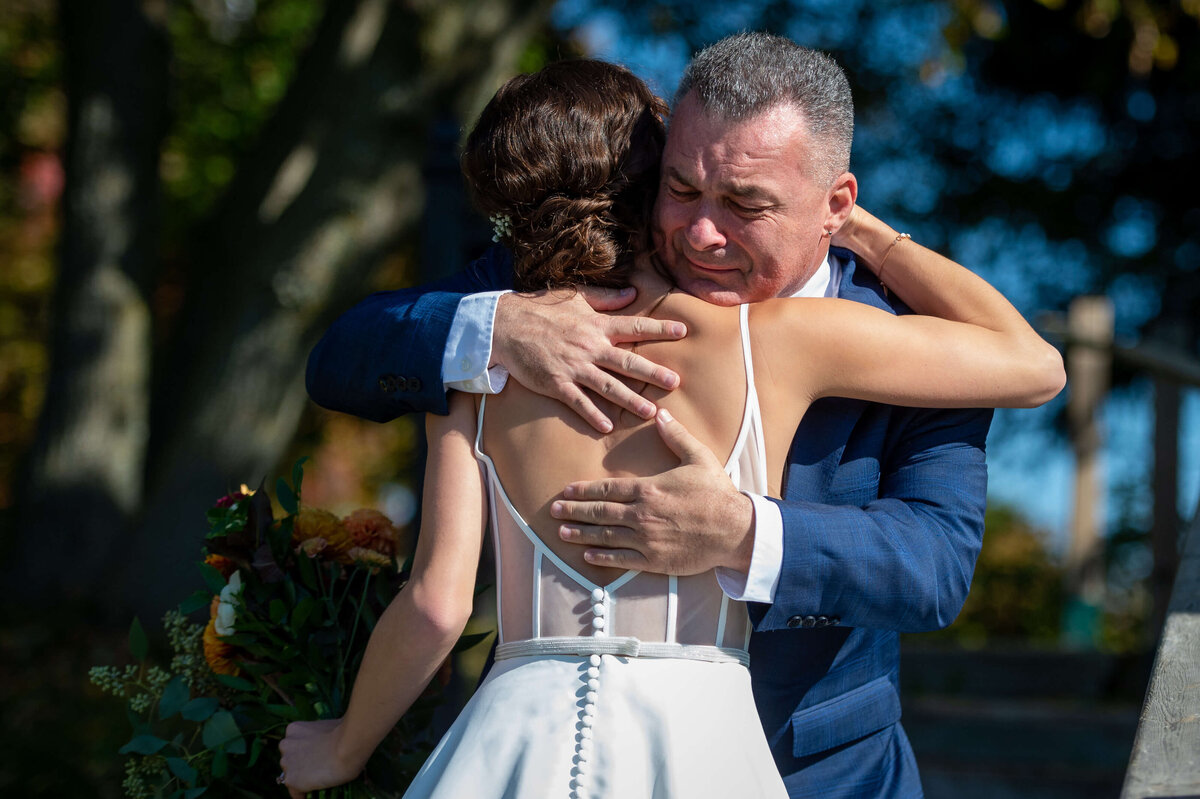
x=867, y=236
x=844, y=236
x=308, y=757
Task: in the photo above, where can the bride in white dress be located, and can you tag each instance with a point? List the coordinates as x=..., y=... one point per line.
x=613, y=683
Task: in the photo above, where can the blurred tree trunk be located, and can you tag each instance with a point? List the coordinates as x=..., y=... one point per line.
x=84, y=476
x=124, y=467
x=334, y=184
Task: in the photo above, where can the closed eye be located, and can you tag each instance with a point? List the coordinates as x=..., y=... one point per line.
x=748, y=210
x=682, y=193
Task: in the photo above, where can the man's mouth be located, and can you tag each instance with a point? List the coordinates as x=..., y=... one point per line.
x=707, y=268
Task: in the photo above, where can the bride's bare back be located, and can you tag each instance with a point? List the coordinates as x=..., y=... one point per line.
x=538, y=445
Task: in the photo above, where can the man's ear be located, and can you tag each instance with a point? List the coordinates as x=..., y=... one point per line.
x=842, y=196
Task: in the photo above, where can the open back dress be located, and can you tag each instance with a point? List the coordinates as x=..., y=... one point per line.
x=637, y=688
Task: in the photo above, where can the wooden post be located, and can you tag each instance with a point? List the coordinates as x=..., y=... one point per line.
x=1166, y=752
x=1089, y=365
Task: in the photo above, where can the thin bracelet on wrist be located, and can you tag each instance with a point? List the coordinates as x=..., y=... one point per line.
x=899, y=237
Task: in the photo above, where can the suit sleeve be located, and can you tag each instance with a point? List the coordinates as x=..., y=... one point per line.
x=904, y=561
x=383, y=357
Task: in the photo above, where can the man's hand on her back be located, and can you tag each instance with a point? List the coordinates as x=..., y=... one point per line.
x=558, y=344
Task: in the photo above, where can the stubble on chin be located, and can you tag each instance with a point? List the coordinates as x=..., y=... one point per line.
x=710, y=292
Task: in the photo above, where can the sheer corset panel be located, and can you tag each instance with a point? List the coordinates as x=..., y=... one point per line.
x=541, y=596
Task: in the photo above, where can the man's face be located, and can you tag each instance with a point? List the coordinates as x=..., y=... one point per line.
x=739, y=217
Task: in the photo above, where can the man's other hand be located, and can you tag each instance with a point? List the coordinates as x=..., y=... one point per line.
x=684, y=521
x=557, y=344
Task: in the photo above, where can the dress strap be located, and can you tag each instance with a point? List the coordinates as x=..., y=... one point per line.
x=479, y=426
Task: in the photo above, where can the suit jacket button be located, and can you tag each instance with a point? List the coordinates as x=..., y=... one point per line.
x=810, y=622
x=795, y=621
x=383, y=383
x=412, y=384
x=834, y=621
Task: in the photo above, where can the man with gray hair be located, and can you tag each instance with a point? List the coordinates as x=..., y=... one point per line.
x=882, y=512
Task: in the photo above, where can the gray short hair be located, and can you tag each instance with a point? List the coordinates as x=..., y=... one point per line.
x=747, y=74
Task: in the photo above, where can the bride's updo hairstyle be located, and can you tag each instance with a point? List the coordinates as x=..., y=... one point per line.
x=570, y=155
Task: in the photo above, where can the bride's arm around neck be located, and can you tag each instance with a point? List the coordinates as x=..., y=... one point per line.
x=966, y=345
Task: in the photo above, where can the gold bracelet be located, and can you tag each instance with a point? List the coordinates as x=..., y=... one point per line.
x=900, y=237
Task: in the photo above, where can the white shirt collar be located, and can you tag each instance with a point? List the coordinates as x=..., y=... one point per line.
x=825, y=281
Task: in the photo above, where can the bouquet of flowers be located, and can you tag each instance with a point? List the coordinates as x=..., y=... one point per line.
x=291, y=603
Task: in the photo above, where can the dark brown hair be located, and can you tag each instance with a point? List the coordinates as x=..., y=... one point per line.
x=570, y=154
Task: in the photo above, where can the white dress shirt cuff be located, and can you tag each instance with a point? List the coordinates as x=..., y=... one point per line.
x=469, y=347
x=766, y=561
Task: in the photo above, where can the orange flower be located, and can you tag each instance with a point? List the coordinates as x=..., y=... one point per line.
x=319, y=523
x=370, y=529
x=217, y=653
x=224, y=565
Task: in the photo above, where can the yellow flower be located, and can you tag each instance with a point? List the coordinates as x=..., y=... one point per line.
x=320, y=523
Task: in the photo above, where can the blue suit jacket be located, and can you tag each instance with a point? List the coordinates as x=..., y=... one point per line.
x=883, y=520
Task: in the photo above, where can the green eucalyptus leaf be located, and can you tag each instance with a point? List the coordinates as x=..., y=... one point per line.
x=286, y=496
x=192, y=793
x=305, y=608
x=308, y=572
x=212, y=578
x=259, y=668
x=278, y=611
x=174, y=697
x=298, y=473
x=143, y=745
x=220, y=731
x=182, y=769
x=139, y=644
x=199, y=599
x=237, y=683
x=285, y=712
x=200, y=709
x=256, y=749
x=220, y=764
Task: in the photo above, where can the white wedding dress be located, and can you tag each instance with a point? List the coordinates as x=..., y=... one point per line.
x=638, y=688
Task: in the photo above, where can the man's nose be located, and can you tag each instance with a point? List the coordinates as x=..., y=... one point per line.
x=703, y=232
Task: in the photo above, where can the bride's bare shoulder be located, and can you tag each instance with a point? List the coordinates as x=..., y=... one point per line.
x=697, y=313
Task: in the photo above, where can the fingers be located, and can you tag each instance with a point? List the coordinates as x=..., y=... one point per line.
x=597, y=513
x=619, y=394
x=612, y=490
x=602, y=299
x=629, y=329
x=630, y=364
x=608, y=538
x=574, y=398
x=679, y=440
x=616, y=558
